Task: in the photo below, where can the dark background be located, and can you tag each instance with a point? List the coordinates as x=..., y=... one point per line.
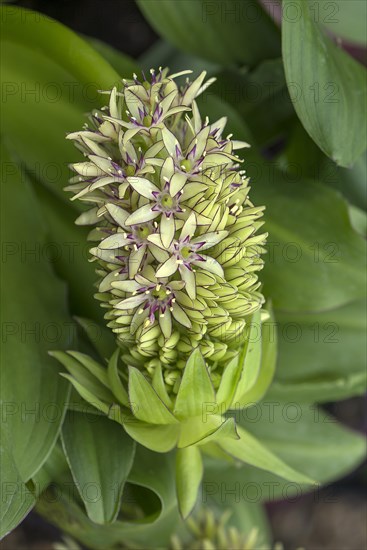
x=336, y=519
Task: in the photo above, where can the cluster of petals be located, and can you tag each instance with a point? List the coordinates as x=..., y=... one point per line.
x=175, y=232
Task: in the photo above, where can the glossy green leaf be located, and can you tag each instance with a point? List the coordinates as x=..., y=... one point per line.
x=269, y=349
x=344, y=18
x=315, y=258
x=52, y=75
x=145, y=402
x=100, y=455
x=196, y=388
x=322, y=344
x=124, y=65
x=69, y=252
x=250, y=358
x=322, y=355
x=248, y=449
x=16, y=499
x=221, y=32
x=151, y=471
x=328, y=87
x=176, y=60
x=66, y=48
x=351, y=182
x=305, y=437
x=102, y=338
x=189, y=472
x=320, y=390
x=254, y=94
x=34, y=320
x=310, y=234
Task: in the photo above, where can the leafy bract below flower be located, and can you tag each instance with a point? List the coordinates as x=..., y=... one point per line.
x=176, y=234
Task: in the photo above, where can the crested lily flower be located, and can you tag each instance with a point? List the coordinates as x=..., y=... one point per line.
x=177, y=243
x=178, y=254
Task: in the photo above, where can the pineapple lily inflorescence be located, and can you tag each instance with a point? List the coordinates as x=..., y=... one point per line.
x=175, y=231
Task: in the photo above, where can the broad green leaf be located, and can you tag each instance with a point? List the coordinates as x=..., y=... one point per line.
x=344, y=18
x=101, y=338
x=66, y=48
x=16, y=498
x=176, y=60
x=196, y=388
x=52, y=75
x=315, y=259
x=305, y=437
x=320, y=390
x=351, y=182
x=145, y=402
x=151, y=493
x=322, y=355
x=225, y=33
x=310, y=234
x=248, y=449
x=358, y=219
x=124, y=65
x=189, y=472
x=254, y=94
x=327, y=86
x=323, y=344
x=34, y=320
x=250, y=358
x=69, y=252
x=100, y=455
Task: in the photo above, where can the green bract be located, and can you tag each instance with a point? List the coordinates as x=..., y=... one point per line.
x=177, y=248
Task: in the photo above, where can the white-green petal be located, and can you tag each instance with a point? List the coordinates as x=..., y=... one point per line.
x=189, y=279
x=211, y=265
x=167, y=170
x=189, y=227
x=126, y=286
x=132, y=302
x=193, y=89
x=117, y=240
x=142, y=215
x=117, y=213
x=170, y=142
x=168, y=268
x=87, y=169
x=143, y=186
x=177, y=183
x=135, y=260
x=133, y=102
x=167, y=230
